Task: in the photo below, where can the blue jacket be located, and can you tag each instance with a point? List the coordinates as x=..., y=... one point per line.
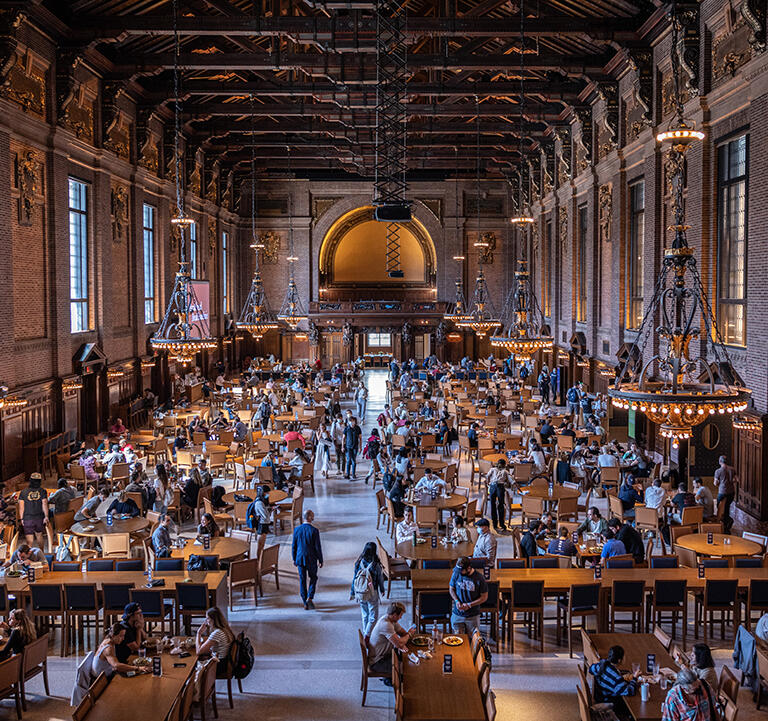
x=306, y=549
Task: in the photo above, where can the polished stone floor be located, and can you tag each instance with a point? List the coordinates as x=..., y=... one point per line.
x=308, y=662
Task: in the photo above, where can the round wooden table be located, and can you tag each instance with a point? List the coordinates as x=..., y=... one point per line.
x=425, y=552
x=227, y=549
x=495, y=457
x=434, y=465
x=274, y=496
x=558, y=492
x=449, y=503
x=738, y=546
x=255, y=462
x=100, y=527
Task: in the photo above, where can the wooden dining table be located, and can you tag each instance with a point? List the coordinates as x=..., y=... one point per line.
x=442, y=503
x=227, y=549
x=636, y=647
x=424, y=551
x=274, y=496
x=736, y=546
x=431, y=695
x=143, y=696
x=558, y=492
x=98, y=527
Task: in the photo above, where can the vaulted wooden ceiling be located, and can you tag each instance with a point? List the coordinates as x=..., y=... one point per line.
x=307, y=70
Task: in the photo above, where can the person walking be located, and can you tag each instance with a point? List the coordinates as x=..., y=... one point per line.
x=367, y=584
x=307, y=556
x=352, y=435
x=33, y=510
x=361, y=400
x=498, y=482
x=544, y=384
x=725, y=480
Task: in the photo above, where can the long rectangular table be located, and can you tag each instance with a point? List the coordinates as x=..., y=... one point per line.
x=431, y=695
x=636, y=649
x=144, y=696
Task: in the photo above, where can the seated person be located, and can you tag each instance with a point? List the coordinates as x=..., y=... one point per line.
x=536, y=456
x=25, y=554
x=606, y=459
x=528, y=545
x=632, y=540
x=547, y=526
x=682, y=499
x=21, y=633
x=704, y=497
x=594, y=523
x=208, y=526
x=117, y=428
x=407, y=527
x=60, y=498
x=459, y=533
x=133, y=622
x=547, y=430
x=161, y=537
x=430, y=483
x=297, y=462
x=610, y=684
x=655, y=495
x=123, y=506
x=88, y=511
x=562, y=545
x=472, y=436
x=387, y=634
x=292, y=434
x=612, y=546
x=628, y=496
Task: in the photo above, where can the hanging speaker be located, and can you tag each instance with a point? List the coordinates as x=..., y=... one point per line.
x=393, y=213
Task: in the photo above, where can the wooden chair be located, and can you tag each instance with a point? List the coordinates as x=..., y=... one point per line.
x=720, y=596
x=394, y=519
x=628, y=597
x=687, y=557
x=670, y=597
x=676, y=532
x=367, y=672
x=98, y=686
x=663, y=637
x=81, y=603
x=83, y=708
x=532, y=508
x=381, y=508
x=692, y=516
x=308, y=476
x=394, y=570
x=243, y=575
x=223, y=519
x=208, y=688
x=615, y=507
x=567, y=508
x=427, y=517
x=292, y=512
x=184, y=460
x=47, y=602
x=10, y=672
x=583, y=601
x=728, y=685
x=115, y=545
x=527, y=597
x=268, y=564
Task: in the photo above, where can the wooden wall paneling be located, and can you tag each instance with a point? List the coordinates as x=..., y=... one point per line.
x=751, y=463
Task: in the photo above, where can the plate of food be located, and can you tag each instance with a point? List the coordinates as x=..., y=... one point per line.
x=452, y=640
x=13, y=574
x=89, y=527
x=421, y=540
x=142, y=662
x=420, y=640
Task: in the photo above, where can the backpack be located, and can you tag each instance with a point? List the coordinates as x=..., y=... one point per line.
x=363, y=584
x=371, y=449
x=251, y=517
x=195, y=563
x=572, y=396
x=243, y=656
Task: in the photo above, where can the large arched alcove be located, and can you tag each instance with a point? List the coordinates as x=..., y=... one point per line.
x=353, y=254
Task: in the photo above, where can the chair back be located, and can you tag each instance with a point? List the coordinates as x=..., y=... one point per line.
x=131, y=564
x=692, y=515
x=749, y=562
x=151, y=601
x=100, y=564
x=435, y=564
x=584, y=596
x=527, y=594
x=662, y=637
x=169, y=564
x=270, y=557
x=628, y=593
x=3, y=599
x=532, y=506
x=191, y=597
x=621, y=561
x=728, y=685
x=9, y=672
x=721, y=594
x=615, y=506
x=756, y=538
x=118, y=544
x=522, y=472
x=710, y=527
x=714, y=562
x=510, y=563
x=686, y=556
x=35, y=654
x=116, y=596
x=80, y=597
x=66, y=566
x=676, y=532
x=426, y=516
x=98, y=686
x=646, y=518
x=610, y=474
x=46, y=597
x=434, y=605
x=242, y=571
x=544, y=562
x=669, y=593
x=664, y=561
x=363, y=649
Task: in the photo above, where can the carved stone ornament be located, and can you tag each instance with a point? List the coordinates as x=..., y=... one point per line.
x=562, y=225
x=583, y=114
x=212, y=238
x=730, y=47
x=548, y=171
x=687, y=51
x=196, y=173
x=668, y=105
x=313, y=334
x=755, y=14
x=11, y=19
x=28, y=178
x=74, y=106
x=564, y=158
x=226, y=196
x=347, y=336
x=608, y=127
x=212, y=187
x=271, y=252
x=489, y=245
x=25, y=84
x=146, y=140
x=641, y=61
x=116, y=126
x=440, y=333
x=320, y=206
x=605, y=204
x=119, y=208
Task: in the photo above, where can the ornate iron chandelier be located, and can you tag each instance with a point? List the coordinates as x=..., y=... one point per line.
x=9, y=401
x=458, y=312
x=481, y=317
x=522, y=336
x=256, y=316
x=185, y=329
x=678, y=388
x=523, y=217
x=292, y=311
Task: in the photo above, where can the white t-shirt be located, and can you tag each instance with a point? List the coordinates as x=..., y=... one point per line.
x=705, y=498
x=654, y=496
x=607, y=460
x=221, y=642
x=380, y=644
x=404, y=531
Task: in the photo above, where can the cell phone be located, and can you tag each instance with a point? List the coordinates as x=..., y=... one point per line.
x=186, y=654
x=179, y=665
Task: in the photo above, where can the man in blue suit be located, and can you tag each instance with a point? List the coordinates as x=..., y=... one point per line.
x=307, y=555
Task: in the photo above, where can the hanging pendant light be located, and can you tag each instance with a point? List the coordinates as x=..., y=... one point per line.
x=185, y=329
x=523, y=217
x=677, y=388
x=292, y=311
x=256, y=317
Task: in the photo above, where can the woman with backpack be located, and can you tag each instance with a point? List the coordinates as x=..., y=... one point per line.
x=259, y=517
x=323, y=448
x=367, y=584
x=371, y=451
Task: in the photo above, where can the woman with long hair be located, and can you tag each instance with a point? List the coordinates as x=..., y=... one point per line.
x=323, y=448
x=161, y=486
x=367, y=584
x=208, y=526
x=214, y=637
x=703, y=665
x=105, y=656
x=22, y=633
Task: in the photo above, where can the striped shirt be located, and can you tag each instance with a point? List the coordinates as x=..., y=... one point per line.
x=609, y=683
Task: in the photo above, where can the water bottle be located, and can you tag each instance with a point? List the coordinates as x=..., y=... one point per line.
x=109, y=519
x=204, y=449
x=149, y=576
x=644, y=691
